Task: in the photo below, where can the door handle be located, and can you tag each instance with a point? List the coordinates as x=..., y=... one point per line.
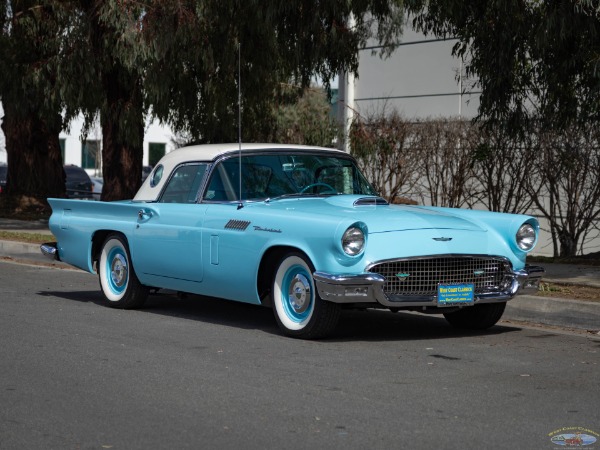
x=144, y=215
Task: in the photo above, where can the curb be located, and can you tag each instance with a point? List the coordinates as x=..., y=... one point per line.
x=25, y=252
x=540, y=310
x=554, y=311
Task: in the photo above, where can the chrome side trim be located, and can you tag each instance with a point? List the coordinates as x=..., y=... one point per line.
x=50, y=250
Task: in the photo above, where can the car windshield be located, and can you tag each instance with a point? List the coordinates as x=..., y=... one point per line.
x=283, y=175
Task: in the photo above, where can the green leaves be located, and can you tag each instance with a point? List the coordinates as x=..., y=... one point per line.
x=535, y=61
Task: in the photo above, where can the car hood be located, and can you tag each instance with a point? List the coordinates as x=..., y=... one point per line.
x=379, y=218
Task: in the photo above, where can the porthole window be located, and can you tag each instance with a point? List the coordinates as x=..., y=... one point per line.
x=156, y=176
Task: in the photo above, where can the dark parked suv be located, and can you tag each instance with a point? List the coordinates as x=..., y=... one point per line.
x=79, y=184
x=3, y=170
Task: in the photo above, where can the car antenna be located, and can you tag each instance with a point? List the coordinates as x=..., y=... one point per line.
x=240, y=204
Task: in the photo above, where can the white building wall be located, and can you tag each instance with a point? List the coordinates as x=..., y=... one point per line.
x=420, y=80
x=154, y=133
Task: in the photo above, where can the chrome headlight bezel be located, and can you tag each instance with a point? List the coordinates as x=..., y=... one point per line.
x=353, y=241
x=526, y=237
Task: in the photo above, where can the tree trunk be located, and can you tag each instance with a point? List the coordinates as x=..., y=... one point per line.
x=35, y=167
x=568, y=245
x=123, y=135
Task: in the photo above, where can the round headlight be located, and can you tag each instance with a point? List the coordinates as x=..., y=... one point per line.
x=353, y=241
x=526, y=237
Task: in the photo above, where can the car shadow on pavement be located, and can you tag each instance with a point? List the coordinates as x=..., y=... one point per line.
x=354, y=325
x=382, y=325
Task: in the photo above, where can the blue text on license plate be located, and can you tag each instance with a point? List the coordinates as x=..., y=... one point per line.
x=455, y=294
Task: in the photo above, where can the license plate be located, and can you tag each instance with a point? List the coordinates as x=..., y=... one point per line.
x=455, y=294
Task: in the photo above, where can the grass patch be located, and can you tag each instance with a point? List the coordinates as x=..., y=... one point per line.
x=32, y=238
x=569, y=291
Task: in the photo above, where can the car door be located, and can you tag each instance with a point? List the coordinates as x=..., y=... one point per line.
x=232, y=248
x=167, y=241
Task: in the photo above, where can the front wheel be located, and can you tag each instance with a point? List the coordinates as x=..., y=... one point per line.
x=299, y=310
x=118, y=280
x=478, y=317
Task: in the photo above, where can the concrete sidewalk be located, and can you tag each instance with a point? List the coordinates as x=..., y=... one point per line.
x=565, y=313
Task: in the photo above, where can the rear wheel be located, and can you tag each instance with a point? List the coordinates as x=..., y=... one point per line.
x=118, y=280
x=299, y=310
x=478, y=317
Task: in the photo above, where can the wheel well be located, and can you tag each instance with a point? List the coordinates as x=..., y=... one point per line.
x=267, y=268
x=98, y=239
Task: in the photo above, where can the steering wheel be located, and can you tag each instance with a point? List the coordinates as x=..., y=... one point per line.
x=329, y=189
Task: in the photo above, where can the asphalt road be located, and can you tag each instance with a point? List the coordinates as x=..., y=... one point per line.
x=203, y=373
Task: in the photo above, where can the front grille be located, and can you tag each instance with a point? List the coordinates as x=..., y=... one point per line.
x=420, y=277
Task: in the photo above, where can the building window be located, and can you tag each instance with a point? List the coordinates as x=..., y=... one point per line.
x=155, y=152
x=62, y=143
x=90, y=154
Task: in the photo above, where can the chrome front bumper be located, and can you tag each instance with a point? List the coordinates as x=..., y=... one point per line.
x=368, y=288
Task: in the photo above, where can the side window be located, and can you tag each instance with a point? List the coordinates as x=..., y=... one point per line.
x=224, y=185
x=184, y=184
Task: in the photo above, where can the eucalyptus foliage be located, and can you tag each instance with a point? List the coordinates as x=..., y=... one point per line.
x=179, y=60
x=535, y=60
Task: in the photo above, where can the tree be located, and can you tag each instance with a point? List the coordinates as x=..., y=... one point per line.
x=308, y=121
x=569, y=187
x=119, y=59
x=536, y=61
x=383, y=146
x=175, y=59
x=29, y=53
x=446, y=162
x=505, y=169
x=193, y=82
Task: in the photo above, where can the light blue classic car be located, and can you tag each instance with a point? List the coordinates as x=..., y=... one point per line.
x=298, y=229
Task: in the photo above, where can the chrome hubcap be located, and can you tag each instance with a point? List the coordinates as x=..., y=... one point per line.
x=299, y=293
x=118, y=271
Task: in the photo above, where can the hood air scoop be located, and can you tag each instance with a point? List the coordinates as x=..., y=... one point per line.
x=370, y=201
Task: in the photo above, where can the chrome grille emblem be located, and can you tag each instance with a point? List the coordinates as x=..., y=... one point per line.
x=403, y=276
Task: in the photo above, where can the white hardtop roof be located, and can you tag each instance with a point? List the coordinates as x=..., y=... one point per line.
x=207, y=153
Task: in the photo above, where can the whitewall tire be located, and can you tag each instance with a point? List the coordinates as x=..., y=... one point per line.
x=118, y=281
x=299, y=310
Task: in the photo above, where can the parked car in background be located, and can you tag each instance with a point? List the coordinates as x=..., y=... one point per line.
x=98, y=184
x=145, y=172
x=78, y=184
x=298, y=229
x=3, y=172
